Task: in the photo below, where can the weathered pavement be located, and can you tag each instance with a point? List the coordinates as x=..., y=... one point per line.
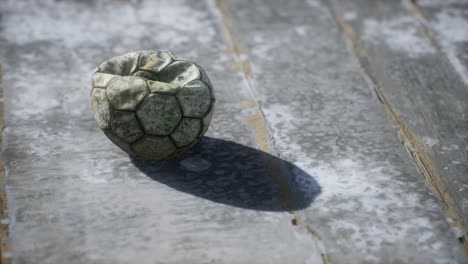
x=301, y=163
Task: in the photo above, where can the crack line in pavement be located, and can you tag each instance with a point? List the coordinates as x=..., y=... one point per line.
x=410, y=140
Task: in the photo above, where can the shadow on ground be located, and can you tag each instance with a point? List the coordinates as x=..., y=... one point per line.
x=229, y=173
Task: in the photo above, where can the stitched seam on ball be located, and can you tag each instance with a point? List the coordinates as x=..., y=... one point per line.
x=182, y=117
x=170, y=62
x=138, y=121
x=200, y=129
x=107, y=97
x=137, y=64
x=173, y=142
x=148, y=71
x=144, y=98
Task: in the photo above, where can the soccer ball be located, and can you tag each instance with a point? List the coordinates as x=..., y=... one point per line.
x=152, y=104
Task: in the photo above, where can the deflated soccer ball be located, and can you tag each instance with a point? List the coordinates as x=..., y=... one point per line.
x=152, y=104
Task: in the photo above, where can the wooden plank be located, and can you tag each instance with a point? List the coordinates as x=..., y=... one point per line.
x=321, y=115
x=421, y=91
x=5, y=254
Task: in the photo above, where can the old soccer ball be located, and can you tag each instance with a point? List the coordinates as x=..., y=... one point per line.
x=152, y=104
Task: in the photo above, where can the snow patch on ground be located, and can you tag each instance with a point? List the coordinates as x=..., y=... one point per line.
x=350, y=15
x=75, y=24
x=429, y=3
x=357, y=189
x=400, y=34
x=430, y=142
x=314, y=3
x=450, y=24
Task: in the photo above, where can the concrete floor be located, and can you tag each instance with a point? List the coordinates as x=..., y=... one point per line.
x=300, y=164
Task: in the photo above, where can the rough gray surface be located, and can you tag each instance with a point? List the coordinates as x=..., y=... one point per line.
x=448, y=20
x=218, y=202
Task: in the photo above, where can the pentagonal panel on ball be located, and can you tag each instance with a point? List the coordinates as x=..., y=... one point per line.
x=186, y=132
x=125, y=125
x=159, y=114
x=153, y=147
x=195, y=99
x=125, y=93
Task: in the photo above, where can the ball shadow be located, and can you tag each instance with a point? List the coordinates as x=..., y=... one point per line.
x=229, y=173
